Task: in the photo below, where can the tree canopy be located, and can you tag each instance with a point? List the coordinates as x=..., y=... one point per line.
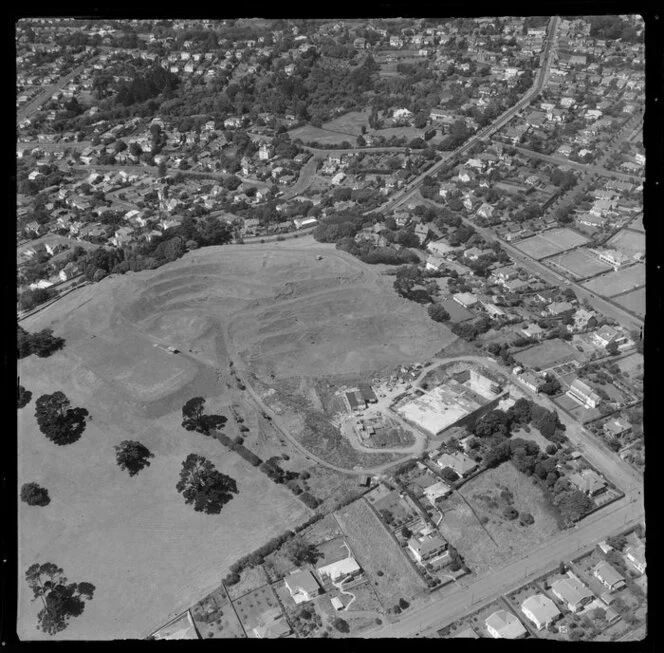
x=42, y=343
x=202, y=485
x=61, y=600
x=57, y=421
x=24, y=396
x=34, y=494
x=133, y=456
x=194, y=419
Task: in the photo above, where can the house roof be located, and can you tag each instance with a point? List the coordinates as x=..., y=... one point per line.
x=606, y=573
x=587, y=480
x=302, y=580
x=506, y=624
x=541, y=607
x=460, y=463
x=427, y=544
x=571, y=590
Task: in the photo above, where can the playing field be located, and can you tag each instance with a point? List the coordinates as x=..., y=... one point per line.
x=310, y=134
x=407, y=132
x=549, y=353
x=628, y=242
x=149, y=554
x=618, y=282
x=634, y=301
x=350, y=123
x=580, y=263
x=551, y=242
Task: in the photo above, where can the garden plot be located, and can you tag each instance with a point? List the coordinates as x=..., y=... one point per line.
x=215, y=618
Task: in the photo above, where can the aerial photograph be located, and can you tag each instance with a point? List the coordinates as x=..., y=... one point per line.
x=330, y=328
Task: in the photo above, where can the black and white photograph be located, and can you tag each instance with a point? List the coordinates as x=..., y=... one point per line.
x=331, y=328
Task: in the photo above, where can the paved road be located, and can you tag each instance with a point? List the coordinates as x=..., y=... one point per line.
x=589, y=168
x=405, y=194
x=449, y=605
x=41, y=98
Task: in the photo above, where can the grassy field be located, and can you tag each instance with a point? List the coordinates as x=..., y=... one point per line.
x=637, y=225
x=628, y=242
x=580, y=263
x=350, y=123
x=564, y=238
x=537, y=247
x=310, y=134
x=457, y=312
x=375, y=550
x=547, y=354
x=486, y=547
x=618, y=282
x=634, y=301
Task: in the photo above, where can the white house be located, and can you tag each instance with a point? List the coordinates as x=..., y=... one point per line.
x=540, y=610
x=504, y=625
x=302, y=586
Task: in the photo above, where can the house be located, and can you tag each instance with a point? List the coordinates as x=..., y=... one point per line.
x=558, y=308
x=342, y=569
x=572, y=592
x=439, y=247
x=70, y=270
x=422, y=232
x=515, y=285
x=466, y=633
x=460, y=463
x=302, y=585
x=540, y=610
x=504, y=625
x=637, y=556
x=272, y=625
x=437, y=490
x=584, y=319
x=608, y=576
x=435, y=263
x=427, y=547
x=303, y=223
x=338, y=178
x=532, y=381
x=583, y=393
x=505, y=273
x=614, y=258
x=466, y=299
x=606, y=334
x=617, y=427
x=588, y=481
x=532, y=331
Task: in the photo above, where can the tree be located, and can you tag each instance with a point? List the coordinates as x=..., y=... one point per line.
x=61, y=600
x=35, y=495
x=57, y=421
x=403, y=604
x=132, y=456
x=526, y=518
x=194, y=419
x=162, y=169
x=406, y=532
x=300, y=552
x=449, y=475
x=24, y=396
x=42, y=343
x=341, y=625
x=438, y=313
x=203, y=485
x=612, y=348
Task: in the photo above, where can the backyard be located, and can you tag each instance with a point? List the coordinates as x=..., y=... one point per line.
x=547, y=354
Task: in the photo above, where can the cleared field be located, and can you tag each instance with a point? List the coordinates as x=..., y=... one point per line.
x=500, y=540
x=629, y=242
x=537, y=248
x=375, y=550
x=551, y=242
x=148, y=553
x=350, y=123
x=388, y=132
x=546, y=355
x=618, y=282
x=634, y=301
x=579, y=263
x=309, y=134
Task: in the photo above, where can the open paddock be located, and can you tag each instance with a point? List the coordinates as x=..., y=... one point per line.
x=634, y=301
x=537, y=247
x=349, y=123
x=580, y=263
x=615, y=283
x=565, y=238
x=251, y=606
x=311, y=134
x=400, y=132
x=375, y=550
x=547, y=354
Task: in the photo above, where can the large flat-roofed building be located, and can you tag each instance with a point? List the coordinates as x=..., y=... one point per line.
x=583, y=393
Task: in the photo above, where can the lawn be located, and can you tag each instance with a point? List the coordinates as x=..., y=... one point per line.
x=379, y=555
x=311, y=134
x=488, y=546
x=637, y=225
x=580, y=263
x=564, y=238
x=475, y=621
x=547, y=354
x=537, y=247
x=350, y=123
x=251, y=606
x=629, y=242
x=457, y=312
x=618, y=282
x=632, y=364
x=634, y=301
x=250, y=579
x=408, y=132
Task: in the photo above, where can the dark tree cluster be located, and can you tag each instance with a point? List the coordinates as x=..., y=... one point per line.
x=42, y=343
x=24, y=396
x=202, y=485
x=34, y=494
x=61, y=600
x=194, y=418
x=132, y=456
x=57, y=421
x=146, y=86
